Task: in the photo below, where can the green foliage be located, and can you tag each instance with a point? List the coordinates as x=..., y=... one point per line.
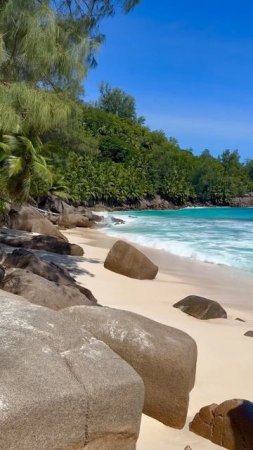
x=131, y=162
x=116, y=101
x=219, y=180
x=21, y=163
x=90, y=181
x=46, y=48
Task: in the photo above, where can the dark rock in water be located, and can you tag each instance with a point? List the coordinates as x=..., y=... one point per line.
x=164, y=357
x=126, y=260
x=23, y=259
x=39, y=242
x=240, y=320
x=249, y=333
x=229, y=425
x=117, y=221
x=201, y=308
x=40, y=291
x=61, y=388
x=2, y=273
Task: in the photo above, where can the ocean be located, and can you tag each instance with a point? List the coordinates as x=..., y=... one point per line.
x=214, y=235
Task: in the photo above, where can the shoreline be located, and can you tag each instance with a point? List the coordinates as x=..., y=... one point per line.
x=193, y=271
x=222, y=346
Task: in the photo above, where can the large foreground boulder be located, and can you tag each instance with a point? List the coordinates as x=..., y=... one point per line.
x=30, y=219
x=201, y=308
x=229, y=425
x=61, y=389
x=126, y=260
x=24, y=259
x=40, y=291
x=164, y=357
x=39, y=242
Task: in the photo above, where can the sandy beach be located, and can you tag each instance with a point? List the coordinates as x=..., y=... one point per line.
x=225, y=363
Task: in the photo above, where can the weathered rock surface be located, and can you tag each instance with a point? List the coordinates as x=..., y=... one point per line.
x=229, y=425
x=40, y=291
x=244, y=201
x=30, y=219
x=126, y=260
x=2, y=273
x=164, y=357
x=39, y=242
x=24, y=259
x=61, y=389
x=201, y=308
x=249, y=333
x=74, y=220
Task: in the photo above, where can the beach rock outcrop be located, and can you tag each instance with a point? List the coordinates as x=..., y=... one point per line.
x=74, y=220
x=126, y=260
x=24, y=259
x=61, y=388
x=249, y=333
x=40, y=291
x=30, y=219
x=39, y=242
x=201, y=308
x=164, y=357
x=229, y=424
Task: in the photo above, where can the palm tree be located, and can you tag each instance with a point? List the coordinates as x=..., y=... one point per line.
x=21, y=161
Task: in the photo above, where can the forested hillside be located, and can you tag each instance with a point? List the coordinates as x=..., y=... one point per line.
x=117, y=160
x=52, y=141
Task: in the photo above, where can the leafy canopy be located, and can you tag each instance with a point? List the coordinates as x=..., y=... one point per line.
x=46, y=48
x=118, y=102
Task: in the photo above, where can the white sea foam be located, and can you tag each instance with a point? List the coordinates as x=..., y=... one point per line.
x=218, y=240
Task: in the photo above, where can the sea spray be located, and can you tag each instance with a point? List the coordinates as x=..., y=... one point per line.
x=214, y=235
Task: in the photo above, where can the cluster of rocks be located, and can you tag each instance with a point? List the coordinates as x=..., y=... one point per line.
x=77, y=375
x=245, y=201
x=31, y=219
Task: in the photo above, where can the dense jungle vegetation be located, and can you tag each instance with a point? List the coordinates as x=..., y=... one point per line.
x=52, y=141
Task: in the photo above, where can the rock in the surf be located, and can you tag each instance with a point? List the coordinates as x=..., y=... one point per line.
x=164, y=357
x=229, y=425
x=126, y=260
x=201, y=308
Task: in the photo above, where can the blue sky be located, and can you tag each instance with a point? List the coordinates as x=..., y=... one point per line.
x=189, y=64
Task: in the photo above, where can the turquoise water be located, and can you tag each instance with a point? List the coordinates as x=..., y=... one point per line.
x=214, y=235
